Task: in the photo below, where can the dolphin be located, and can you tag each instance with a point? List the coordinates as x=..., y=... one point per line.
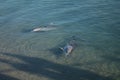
x=67, y=49
x=40, y=29
x=49, y=27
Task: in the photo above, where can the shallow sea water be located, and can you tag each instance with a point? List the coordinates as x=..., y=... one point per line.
x=93, y=24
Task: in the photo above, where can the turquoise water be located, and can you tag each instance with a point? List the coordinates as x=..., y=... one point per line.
x=95, y=25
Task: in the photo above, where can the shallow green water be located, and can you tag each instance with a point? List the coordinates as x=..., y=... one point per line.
x=93, y=24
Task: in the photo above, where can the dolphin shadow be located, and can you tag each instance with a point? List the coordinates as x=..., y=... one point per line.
x=26, y=30
x=54, y=71
x=56, y=51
